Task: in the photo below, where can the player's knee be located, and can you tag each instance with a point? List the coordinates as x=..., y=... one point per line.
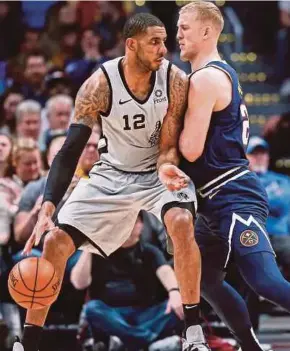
x=179, y=223
x=59, y=242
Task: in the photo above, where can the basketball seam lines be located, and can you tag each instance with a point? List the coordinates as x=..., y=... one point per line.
x=36, y=297
x=47, y=283
x=36, y=303
x=35, y=282
x=23, y=281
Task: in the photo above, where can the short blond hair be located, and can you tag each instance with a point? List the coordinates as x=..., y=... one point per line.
x=206, y=11
x=21, y=145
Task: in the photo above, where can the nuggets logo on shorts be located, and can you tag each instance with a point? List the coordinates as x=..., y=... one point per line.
x=249, y=238
x=182, y=196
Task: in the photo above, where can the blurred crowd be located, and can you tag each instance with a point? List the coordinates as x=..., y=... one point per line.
x=47, y=50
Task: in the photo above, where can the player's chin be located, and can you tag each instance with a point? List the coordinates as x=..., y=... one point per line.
x=156, y=65
x=183, y=56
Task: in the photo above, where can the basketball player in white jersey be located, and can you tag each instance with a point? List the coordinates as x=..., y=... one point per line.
x=140, y=99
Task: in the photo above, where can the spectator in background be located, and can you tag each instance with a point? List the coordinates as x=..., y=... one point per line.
x=31, y=198
x=5, y=154
x=90, y=155
x=277, y=187
x=59, y=110
x=60, y=14
x=9, y=197
x=79, y=70
x=11, y=29
x=35, y=70
x=34, y=13
x=28, y=120
x=26, y=160
x=9, y=191
x=110, y=26
x=58, y=82
x=68, y=46
x=284, y=37
x=134, y=295
x=8, y=104
x=31, y=41
x=276, y=133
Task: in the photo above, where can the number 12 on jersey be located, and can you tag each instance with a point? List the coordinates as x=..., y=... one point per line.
x=246, y=124
x=137, y=123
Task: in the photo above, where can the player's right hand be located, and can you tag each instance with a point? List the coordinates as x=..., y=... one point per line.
x=172, y=177
x=44, y=224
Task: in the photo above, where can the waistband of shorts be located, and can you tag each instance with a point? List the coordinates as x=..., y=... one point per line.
x=218, y=182
x=99, y=163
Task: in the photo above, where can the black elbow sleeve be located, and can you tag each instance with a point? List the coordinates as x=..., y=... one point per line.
x=65, y=162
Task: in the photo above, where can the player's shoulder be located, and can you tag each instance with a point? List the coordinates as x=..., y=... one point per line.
x=209, y=78
x=177, y=73
x=98, y=80
x=95, y=95
x=110, y=64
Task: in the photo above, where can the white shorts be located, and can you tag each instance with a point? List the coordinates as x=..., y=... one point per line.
x=105, y=206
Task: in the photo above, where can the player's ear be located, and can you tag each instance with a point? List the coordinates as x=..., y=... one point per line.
x=207, y=32
x=131, y=44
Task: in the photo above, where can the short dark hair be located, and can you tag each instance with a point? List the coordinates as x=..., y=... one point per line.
x=138, y=24
x=37, y=53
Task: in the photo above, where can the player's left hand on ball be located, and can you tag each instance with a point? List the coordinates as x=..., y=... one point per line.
x=43, y=225
x=172, y=177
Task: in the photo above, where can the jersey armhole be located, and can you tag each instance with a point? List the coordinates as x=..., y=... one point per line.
x=232, y=83
x=106, y=113
x=168, y=81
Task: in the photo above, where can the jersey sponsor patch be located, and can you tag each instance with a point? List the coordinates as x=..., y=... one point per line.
x=249, y=238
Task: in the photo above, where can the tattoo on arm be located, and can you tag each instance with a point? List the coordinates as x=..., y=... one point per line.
x=92, y=98
x=173, y=121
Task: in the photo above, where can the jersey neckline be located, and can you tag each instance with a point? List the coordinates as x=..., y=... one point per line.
x=152, y=81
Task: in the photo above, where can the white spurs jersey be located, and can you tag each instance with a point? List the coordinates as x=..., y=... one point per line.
x=132, y=127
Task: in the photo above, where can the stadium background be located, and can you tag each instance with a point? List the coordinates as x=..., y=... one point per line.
x=73, y=38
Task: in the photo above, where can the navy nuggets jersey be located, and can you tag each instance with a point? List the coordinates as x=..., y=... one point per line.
x=227, y=137
x=232, y=204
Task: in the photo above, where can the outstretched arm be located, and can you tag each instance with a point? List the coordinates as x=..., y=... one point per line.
x=92, y=99
x=168, y=159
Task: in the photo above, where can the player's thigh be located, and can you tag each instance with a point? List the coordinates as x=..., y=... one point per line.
x=104, y=208
x=247, y=234
x=229, y=235
x=213, y=248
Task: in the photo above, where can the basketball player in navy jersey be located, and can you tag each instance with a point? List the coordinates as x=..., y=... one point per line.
x=232, y=205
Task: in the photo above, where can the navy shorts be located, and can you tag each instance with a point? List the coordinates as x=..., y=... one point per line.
x=231, y=222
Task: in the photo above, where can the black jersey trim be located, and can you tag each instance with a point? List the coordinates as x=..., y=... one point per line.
x=152, y=83
x=221, y=69
x=168, y=81
x=214, y=66
x=106, y=114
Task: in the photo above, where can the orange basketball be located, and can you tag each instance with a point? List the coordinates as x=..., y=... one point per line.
x=33, y=283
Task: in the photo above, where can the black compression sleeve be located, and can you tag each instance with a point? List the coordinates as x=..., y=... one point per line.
x=65, y=162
